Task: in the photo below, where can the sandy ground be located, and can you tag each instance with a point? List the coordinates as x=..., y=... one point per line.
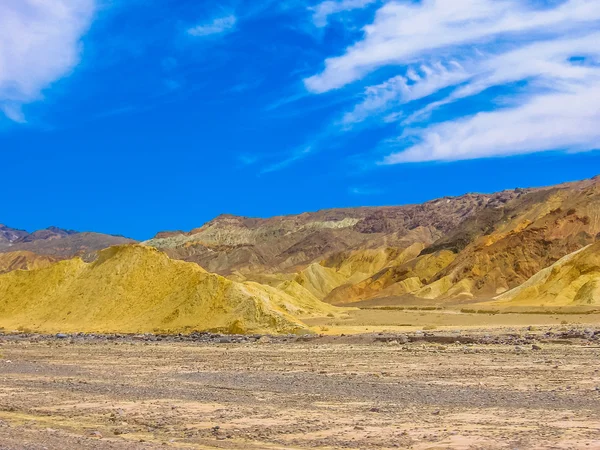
x=346, y=392
x=394, y=320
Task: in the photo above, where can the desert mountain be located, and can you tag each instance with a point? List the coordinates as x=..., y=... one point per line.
x=500, y=249
x=573, y=280
x=470, y=248
x=289, y=244
x=134, y=288
x=493, y=251
x=10, y=235
x=464, y=248
x=57, y=243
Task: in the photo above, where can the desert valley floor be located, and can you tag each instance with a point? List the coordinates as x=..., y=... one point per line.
x=468, y=322
x=519, y=381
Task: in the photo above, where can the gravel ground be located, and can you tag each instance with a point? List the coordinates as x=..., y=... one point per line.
x=489, y=389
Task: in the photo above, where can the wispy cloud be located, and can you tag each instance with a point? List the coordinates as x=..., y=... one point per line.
x=39, y=44
x=461, y=49
x=294, y=157
x=218, y=25
x=324, y=10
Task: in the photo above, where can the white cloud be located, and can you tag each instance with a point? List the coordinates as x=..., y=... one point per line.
x=404, y=32
x=403, y=89
x=466, y=47
x=39, y=44
x=216, y=26
x=559, y=121
x=324, y=10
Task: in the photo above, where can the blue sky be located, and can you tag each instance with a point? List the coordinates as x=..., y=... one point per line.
x=131, y=117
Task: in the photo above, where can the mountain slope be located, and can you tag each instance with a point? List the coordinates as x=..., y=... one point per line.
x=139, y=289
x=9, y=235
x=573, y=280
x=506, y=246
x=395, y=280
x=291, y=243
x=23, y=261
x=57, y=243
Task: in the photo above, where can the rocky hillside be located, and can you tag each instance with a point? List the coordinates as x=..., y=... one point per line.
x=573, y=280
x=493, y=251
x=467, y=248
x=290, y=243
x=10, y=235
x=57, y=243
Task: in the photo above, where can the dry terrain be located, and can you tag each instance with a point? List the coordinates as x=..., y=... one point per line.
x=504, y=387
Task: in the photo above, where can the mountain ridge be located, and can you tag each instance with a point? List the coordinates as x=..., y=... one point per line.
x=467, y=248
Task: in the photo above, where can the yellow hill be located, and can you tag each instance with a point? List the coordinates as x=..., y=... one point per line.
x=320, y=280
x=573, y=280
x=139, y=289
x=398, y=279
x=360, y=264
x=343, y=271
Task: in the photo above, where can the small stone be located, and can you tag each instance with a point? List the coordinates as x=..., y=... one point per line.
x=61, y=336
x=96, y=434
x=535, y=347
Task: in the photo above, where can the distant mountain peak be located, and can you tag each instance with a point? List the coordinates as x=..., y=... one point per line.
x=57, y=242
x=61, y=230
